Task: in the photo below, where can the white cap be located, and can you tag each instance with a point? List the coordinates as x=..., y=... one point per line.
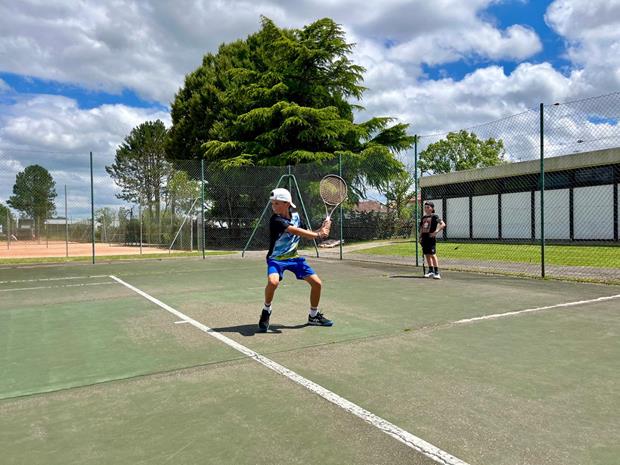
x=283, y=195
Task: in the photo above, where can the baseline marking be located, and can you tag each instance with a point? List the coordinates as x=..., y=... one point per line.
x=390, y=429
x=535, y=309
x=54, y=287
x=52, y=279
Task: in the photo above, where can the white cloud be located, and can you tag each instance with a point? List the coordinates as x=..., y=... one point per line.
x=484, y=95
x=483, y=40
x=4, y=87
x=144, y=46
x=149, y=46
x=592, y=32
x=54, y=132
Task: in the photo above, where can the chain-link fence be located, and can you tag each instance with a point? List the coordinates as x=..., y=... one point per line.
x=493, y=214
x=561, y=163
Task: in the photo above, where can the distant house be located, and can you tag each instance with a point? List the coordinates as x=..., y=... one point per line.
x=367, y=206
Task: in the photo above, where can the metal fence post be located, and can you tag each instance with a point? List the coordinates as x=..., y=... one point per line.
x=202, y=204
x=542, y=193
x=66, y=226
x=8, y=229
x=340, y=208
x=417, y=220
x=140, y=215
x=92, y=205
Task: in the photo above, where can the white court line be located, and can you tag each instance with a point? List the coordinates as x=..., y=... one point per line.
x=53, y=287
x=52, y=279
x=390, y=429
x=536, y=309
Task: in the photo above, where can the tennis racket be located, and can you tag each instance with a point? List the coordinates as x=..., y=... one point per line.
x=333, y=191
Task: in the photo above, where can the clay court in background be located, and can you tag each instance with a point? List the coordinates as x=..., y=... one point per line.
x=35, y=249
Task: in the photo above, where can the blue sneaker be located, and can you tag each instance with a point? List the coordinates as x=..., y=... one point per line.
x=319, y=320
x=263, y=323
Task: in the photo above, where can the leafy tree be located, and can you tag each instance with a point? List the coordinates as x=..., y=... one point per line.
x=140, y=168
x=398, y=193
x=105, y=218
x=182, y=191
x=34, y=193
x=5, y=217
x=281, y=97
x=461, y=151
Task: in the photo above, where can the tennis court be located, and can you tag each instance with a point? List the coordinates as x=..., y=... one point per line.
x=159, y=361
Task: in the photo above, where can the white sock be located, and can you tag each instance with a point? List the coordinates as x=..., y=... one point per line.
x=267, y=307
x=313, y=311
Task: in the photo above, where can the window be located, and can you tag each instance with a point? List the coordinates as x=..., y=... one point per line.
x=594, y=175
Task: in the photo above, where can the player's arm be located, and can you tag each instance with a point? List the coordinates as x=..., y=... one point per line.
x=440, y=226
x=320, y=233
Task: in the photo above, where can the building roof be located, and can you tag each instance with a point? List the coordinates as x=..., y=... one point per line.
x=365, y=206
x=561, y=163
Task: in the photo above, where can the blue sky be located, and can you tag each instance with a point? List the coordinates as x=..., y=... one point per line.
x=76, y=77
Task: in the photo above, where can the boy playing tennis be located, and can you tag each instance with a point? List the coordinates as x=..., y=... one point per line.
x=430, y=226
x=285, y=231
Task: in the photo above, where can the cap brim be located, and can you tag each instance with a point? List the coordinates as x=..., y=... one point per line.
x=293, y=205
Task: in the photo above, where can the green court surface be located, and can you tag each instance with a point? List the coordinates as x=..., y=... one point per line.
x=93, y=372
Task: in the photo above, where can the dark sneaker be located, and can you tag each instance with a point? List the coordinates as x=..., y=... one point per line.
x=319, y=320
x=263, y=323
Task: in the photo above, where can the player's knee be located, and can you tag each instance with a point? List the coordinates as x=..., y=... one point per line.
x=316, y=284
x=273, y=281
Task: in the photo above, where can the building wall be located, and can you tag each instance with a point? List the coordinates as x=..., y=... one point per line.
x=516, y=215
x=485, y=220
x=593, y=207
x=457, y=217
x=557, y=214
x=503, y=203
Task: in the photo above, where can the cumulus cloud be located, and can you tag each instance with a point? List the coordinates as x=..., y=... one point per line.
x=4, y=87
x=54, y=132
x=473, y=40
x=592, y=32
x=144, y=46
x=149, y=46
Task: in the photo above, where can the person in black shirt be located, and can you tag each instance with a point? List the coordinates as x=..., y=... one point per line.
x=430, y=226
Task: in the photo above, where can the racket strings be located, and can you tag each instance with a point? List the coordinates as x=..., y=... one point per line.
x=333, y=190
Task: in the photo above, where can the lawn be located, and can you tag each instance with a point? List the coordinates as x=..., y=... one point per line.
x=567, y=255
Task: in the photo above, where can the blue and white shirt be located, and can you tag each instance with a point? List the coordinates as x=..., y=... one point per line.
x=283, y=245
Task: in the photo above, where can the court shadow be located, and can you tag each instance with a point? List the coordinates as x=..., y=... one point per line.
x=251, y=330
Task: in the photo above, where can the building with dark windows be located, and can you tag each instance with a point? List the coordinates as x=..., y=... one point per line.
x=502, y=203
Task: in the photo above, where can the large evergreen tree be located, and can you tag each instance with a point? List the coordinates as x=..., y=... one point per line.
x=282, y=96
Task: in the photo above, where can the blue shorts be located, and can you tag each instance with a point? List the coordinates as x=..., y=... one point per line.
x=297, y=265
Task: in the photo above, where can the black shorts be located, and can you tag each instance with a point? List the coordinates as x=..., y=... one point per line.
x=429, y=245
